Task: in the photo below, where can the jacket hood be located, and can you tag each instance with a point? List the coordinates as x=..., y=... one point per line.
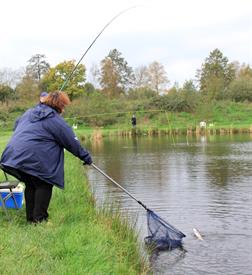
x=40, y=112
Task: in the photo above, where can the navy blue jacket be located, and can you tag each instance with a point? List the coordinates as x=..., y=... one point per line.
x=37, y=145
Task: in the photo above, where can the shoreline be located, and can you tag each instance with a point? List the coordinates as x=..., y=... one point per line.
x=99, y=133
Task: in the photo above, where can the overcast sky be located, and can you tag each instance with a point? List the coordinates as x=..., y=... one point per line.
x=179, y=34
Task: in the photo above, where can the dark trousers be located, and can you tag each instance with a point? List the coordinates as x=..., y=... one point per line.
x=37, y=198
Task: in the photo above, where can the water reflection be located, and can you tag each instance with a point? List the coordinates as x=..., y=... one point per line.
x=202, y=182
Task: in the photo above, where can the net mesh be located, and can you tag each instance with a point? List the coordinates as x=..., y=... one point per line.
x=161, y=234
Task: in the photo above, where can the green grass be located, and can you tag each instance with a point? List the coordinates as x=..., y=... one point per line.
x=222, y=114
x=78, y=239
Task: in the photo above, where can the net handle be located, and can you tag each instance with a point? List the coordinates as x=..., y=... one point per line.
x=118, y=185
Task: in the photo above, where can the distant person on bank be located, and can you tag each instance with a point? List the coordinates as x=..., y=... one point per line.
x=133, y=121
x=35, y=153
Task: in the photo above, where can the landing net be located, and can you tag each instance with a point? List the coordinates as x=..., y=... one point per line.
x=161, y=234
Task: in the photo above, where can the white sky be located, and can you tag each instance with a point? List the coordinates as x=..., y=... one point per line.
x=179, y=34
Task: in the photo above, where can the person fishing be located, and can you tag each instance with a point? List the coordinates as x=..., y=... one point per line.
x=35, y=153
x=133, y=121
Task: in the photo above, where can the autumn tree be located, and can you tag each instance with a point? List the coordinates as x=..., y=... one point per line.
x=215, y=75
x=56, y=76
x=115, y=75
x=37, y=66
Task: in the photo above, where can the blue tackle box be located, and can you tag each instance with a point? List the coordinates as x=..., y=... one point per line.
x=18, y=194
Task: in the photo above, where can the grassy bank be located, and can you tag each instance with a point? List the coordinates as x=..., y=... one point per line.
x=220, y=117
x=78, y=239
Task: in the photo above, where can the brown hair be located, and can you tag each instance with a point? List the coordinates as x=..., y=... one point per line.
x=57, y=100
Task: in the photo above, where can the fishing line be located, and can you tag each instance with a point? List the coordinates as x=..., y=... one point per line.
x=89, y=47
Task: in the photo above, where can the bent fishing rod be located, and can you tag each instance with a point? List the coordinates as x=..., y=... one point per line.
x=89, y=47
x=71, y=74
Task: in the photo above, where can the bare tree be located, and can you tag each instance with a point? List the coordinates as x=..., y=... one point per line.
x=157, y=77
x=94, y=75
x=11, y=77
x=141, y=77
x=37, y=66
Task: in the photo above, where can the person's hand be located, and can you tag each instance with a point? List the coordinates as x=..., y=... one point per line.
x=88, y=160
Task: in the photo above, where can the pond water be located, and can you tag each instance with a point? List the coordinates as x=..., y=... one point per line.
x=197, y=182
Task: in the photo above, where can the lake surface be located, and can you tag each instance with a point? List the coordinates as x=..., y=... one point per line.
x=203, y=183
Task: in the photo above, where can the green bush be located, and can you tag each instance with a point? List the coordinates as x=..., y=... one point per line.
x=241, y=90
x=175, y=102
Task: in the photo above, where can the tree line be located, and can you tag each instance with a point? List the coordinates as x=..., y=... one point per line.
x=217, y=79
